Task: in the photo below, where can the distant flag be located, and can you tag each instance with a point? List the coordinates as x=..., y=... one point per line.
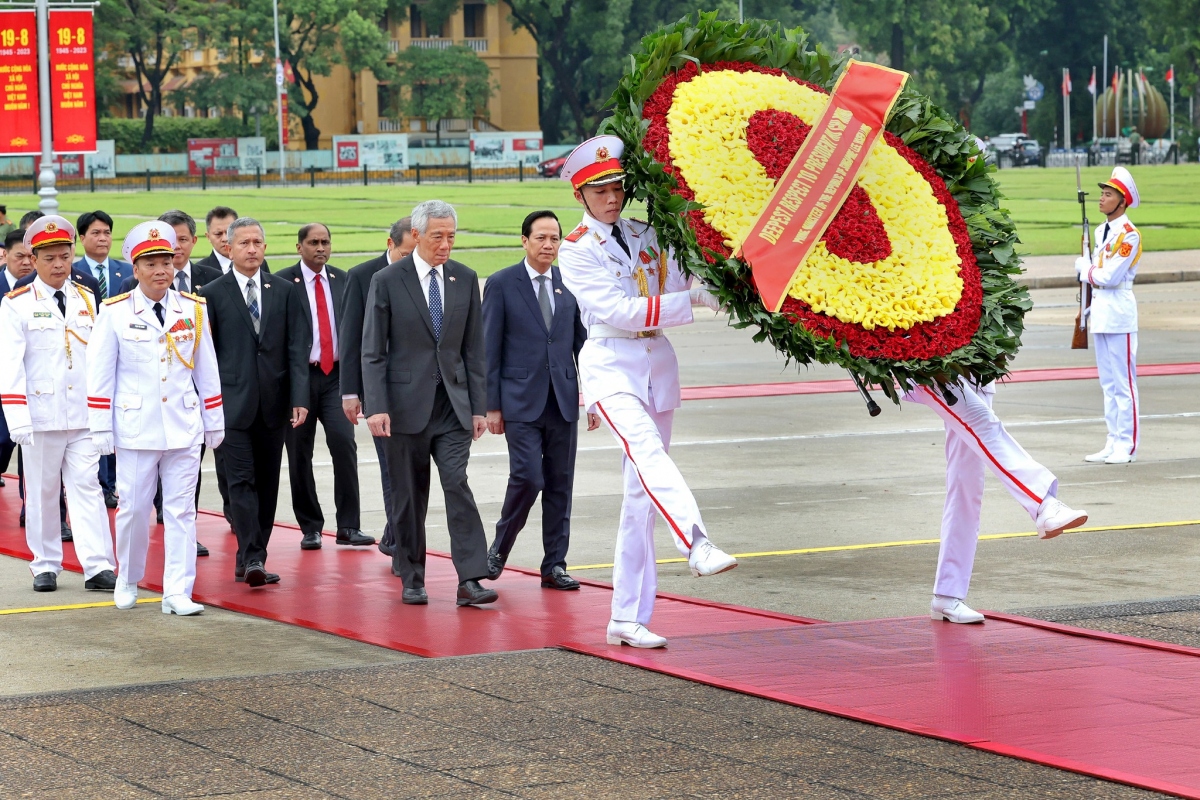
x=1092, y=83
x=1171, y=75
x=1116, y=79
x=1066, y=84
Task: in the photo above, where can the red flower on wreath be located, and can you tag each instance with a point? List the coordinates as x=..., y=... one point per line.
x=856, y=232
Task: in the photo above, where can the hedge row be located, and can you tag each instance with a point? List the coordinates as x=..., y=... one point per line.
x=171, y=133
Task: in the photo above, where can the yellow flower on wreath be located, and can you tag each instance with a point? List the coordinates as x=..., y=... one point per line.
x=918, y=282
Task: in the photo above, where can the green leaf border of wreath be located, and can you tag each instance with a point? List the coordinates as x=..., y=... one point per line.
x=703, y=38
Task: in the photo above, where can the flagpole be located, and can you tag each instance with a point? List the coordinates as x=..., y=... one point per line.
x=1095, y=91
x=1066, y=92
x=1172, y=103
x=1104, y=131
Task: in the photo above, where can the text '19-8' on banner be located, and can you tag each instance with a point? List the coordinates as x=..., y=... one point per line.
x=72, y=82
x=19, y=126
x=820, y=177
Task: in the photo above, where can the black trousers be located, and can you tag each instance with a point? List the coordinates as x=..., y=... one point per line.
x=408, y=456
x=252, y=459
x=325, y=404
x=541, y=459
x=389, y=530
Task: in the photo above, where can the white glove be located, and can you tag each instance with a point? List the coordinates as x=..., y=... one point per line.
x=103, y=442
x=1082, y=265
x=213, y=439
x=23, y=437
x=702, y=296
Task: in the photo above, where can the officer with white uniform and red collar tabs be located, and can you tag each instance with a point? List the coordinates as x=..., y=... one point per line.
x=1114, y=319
x=45, y=328
x=155, y=395
x=977, y=441
x=628, y=289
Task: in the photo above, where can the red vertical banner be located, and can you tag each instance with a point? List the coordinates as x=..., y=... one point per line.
x=72, y=82
x=283, y=104
x=20, y=131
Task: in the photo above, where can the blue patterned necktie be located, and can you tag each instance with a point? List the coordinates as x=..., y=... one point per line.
x=252, y=302
x=102, y=279
x=435, y=312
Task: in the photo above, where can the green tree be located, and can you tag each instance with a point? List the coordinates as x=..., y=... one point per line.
x=453, y=83
x=152, y=33
x=1174, y=26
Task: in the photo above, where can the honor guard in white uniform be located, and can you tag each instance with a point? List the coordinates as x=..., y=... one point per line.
x=44, y=330
x=629, y=289
x=155, y=395
x=976, y=442
x=1113, y=315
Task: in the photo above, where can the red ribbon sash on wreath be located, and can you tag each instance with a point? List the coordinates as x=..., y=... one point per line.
x=820, y=178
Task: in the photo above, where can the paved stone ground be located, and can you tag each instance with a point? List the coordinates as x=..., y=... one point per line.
x=536, y=724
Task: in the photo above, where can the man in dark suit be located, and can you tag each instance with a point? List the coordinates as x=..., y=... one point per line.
x=262, y=344
x=216, y=227
x=534, y=335
x=424, y=391
x=95, y=234
x=324, y=287
x=350, y=328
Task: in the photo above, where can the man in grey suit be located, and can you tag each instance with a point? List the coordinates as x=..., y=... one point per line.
x=424, y=374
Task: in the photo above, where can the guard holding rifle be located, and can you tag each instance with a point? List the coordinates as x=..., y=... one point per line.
x=1109, y=272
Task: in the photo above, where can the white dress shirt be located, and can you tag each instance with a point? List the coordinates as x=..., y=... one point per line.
x=225, y=263
x=423, y=272
x=243, y=280
x=310, y=286
x=94, y=266
x=533, y=277
x=12, y=279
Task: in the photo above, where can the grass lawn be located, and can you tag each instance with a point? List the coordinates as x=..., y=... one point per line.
x=1041, y=200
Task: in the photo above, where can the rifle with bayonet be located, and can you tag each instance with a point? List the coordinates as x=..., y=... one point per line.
x=1079, y=337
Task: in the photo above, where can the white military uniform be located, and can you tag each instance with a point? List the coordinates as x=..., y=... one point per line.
x=155, y=386
x=43, y=386
x=1114, y=321
x=629, y=375
x=976, y=441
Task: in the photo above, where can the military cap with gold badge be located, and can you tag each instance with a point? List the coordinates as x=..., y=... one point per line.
x=48, y=230
x=148, y=238
x=596, y=162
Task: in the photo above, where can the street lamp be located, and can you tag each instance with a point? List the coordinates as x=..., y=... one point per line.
x=280, y=88
x=49, y=194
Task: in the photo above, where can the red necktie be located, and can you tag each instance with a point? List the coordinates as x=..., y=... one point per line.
x=324, y=330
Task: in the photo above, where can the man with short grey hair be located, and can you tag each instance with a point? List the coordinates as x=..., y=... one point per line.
x=424, y=375
x=350, y=328
x=261, y=332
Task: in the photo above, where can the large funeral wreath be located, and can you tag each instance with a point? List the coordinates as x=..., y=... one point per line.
x=913, y=282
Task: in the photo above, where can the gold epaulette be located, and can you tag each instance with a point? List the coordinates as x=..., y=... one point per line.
x=117, y=299
x=197, y=298
x=19, y=292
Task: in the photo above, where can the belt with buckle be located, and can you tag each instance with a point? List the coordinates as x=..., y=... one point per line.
x=603, y=331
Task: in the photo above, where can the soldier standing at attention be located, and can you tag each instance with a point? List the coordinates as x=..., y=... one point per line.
x=1114, y=318
x=46, y=326
x=628, y=289
x=155, y=396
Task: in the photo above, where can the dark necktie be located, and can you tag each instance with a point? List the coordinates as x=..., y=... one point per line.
x=181, y=281
x=158, y=312
x=102, y=279
x=544, y=301
x=61, y=299
x=619, y=238
x=1104, y=236
x=435, y=313
x=252, y=303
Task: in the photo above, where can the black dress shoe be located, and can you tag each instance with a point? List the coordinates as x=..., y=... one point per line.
x=158, y=517
x=559, y=579
x=415, y=597
x=201, y=550
x=104, y=581
x=239, y=575
x=354, y=537
x=496, y=561
x=470, y=593
x=311, y=541
x=45, y=582
x=256, y=575
x=110, y=500
x=67, y=536
x=387, y=549
x=2, y=484
x=22, y=518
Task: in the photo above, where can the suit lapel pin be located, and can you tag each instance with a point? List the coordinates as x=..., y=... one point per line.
x=452, y=279
x=297, y=280
x=558, y=291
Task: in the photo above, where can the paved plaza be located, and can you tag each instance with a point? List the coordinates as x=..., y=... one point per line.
x=831, y=513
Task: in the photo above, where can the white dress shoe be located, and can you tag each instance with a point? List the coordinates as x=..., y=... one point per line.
x=1120, y=457
x=182, y=605
x=1099, y=458
x=1055, y=516
x=708, y=559
x=633, y=634
x=125, y=595
x=951, y=609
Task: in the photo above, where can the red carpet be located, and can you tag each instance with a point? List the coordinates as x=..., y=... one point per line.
x=350, y=592
x=846, y=385
x=1102, y=705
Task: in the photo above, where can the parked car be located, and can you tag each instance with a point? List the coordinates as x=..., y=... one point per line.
x=1005, y=142
x=551, y=167
x=1026, y=153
